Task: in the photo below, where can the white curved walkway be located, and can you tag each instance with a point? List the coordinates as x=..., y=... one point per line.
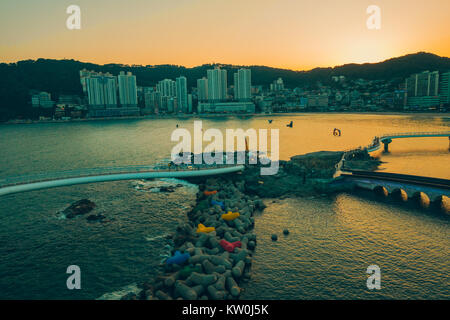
x=405, y=135
x=62, y=182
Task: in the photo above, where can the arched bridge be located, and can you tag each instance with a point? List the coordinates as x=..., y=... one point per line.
x=83, y=176
x=386, y=139
x=396, y=184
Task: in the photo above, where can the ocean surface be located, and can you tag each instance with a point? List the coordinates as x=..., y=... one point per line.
x=331, y=243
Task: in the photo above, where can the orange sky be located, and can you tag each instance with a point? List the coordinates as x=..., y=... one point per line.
x=294, y=34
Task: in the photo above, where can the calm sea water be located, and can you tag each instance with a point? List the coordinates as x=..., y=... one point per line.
x=332, y=240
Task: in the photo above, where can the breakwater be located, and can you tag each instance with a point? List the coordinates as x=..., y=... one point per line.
x=211, y=253
x=213, y=249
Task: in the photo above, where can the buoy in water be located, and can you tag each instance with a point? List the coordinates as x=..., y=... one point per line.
x=274, y=237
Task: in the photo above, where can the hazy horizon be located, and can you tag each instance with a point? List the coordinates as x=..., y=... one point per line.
x=295, y=35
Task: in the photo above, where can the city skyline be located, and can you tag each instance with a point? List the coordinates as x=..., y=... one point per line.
x=420, y=91
x=103, y=91
x=112, y=33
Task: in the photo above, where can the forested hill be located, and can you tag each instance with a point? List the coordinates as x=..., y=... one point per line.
x=62, y=76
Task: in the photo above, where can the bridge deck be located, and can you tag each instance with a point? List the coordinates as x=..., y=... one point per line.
x=66, y=174
x=73, y=177
x=402, y=178
x=415, y=135
x=386, y=138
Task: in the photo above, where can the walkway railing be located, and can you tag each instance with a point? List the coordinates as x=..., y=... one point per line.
x=415, y=134
x=376, y=144
x=81, y=173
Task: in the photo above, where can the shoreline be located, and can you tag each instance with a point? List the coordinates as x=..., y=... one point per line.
x=206, y=116
x=211, y=253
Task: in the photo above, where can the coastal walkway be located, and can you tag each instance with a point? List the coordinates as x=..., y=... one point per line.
x=83, y=176
x=399, y=186
x=387, y=139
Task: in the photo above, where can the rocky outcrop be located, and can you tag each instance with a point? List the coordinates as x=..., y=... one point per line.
x=305, y=175
x=80, y=207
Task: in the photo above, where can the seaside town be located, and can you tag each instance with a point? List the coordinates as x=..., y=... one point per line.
x=106, y=95
x=225, y=159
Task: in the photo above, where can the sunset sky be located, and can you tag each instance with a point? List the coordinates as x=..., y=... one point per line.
x=294, y=34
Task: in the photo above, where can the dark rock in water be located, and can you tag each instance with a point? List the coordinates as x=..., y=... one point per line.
x=285, y=232
x=79, y=208
x=95, y=217
x=167, y=189
x=274, y=237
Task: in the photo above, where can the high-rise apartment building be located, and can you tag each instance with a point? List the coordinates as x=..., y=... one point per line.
x=444, y=90
x=182, y=95
x=243, y=85
x=189, y=103
x=202, y=89
x=217, y=84
x=423, y=84
x=167, y=88
x=101, y=90
x=152, y=102
x=422, y=90
x=84, y=74
x=127, y=89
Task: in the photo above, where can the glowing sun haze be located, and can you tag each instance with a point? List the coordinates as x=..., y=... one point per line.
x=294, y=34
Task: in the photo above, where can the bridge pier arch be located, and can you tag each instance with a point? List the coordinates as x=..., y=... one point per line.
x=381, y=191
x=399, y=195
x=421, y=200
x=416, y=190
x=441, y=204
x=437, y=203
